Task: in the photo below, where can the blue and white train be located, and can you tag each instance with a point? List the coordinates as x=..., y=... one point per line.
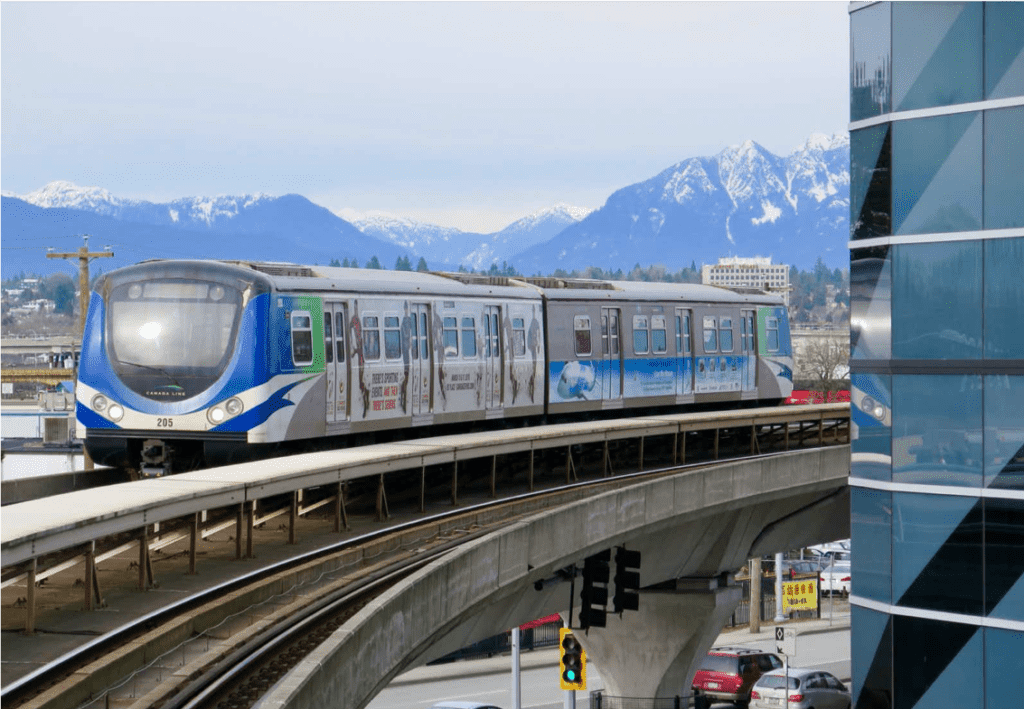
x=191, y=363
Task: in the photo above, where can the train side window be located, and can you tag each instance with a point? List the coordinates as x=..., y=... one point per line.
x=519, y=337
x=392, y=337
x=581, y=326
x=302, y=338
x=725, y=334
x=339, y=336
x=771, y=326
x=450, y=336
x=641, y=337
x=371, y=337
x=424, y=338
x=414, y=336
x=487, y=337
x=613, y=333
x=468, y=337
x=710, y=334
x=495, y=342
x=328, y=339
x=659, y=335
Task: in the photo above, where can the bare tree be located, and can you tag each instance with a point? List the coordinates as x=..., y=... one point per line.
x=827, y=358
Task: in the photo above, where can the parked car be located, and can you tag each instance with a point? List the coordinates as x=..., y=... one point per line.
x=729, y=673
x=806, y=689
x=835, y=580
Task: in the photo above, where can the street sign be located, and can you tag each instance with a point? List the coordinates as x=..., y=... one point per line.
x=800, y=595
x=785, y=641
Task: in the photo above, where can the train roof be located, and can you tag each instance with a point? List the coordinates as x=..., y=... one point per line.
x=297, y=277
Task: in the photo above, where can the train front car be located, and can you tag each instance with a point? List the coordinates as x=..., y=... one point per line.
x=172, y=364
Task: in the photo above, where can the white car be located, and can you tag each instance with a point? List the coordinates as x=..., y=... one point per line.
x=835, y=579
x=806, y=689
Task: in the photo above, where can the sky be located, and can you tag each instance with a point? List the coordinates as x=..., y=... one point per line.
x=461, y=114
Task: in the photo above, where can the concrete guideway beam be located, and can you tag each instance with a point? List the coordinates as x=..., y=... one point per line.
x=489, y=585
x=678, y=627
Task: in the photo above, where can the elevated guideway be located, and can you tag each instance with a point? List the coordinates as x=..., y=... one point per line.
x=693, y=531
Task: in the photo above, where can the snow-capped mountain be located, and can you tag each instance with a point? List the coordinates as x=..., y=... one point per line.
x=447, y=247
x=743, y=201
x=442, y=247
x=520, y=235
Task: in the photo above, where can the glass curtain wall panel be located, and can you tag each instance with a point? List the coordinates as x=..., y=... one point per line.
x=1004, y=666
x=871, y=182
x=870, y=62
x=1004, y=560
x=937, y=429
x=870, y=304
x=871, y=431
x=937, y=174
x=1004, y=163
x=1004, y=432
x=936, y=54
x=937, y=664
x=937, y=300
x=871, y=658
x=871, y=524
x=937, y=560
x=1004, y=49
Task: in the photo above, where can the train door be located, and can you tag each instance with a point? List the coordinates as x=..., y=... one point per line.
x=493, y=360
x=684, y=351
x=611, y=352
x=747, y=351
x=421, y=372
x=336, y=361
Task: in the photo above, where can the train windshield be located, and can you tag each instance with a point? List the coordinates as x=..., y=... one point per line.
x=172, y=328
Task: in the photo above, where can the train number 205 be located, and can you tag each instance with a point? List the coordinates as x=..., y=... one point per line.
x=165, y=423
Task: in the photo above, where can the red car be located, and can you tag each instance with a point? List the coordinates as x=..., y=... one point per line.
x=729, y=673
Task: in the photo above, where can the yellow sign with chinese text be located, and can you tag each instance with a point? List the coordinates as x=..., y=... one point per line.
x=800, y=595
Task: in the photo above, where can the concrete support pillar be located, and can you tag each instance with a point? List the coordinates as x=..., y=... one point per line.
x=654, y=652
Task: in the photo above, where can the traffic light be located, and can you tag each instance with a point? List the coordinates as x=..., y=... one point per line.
x=627, y=580
x=594, y=596
x=572, y=661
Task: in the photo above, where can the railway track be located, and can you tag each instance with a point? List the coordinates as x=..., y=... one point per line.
x=243, y=634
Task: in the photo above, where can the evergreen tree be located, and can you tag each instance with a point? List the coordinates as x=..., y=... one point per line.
x=374, y=262
x=402, y=263
x=334, y=262
x=421, y=265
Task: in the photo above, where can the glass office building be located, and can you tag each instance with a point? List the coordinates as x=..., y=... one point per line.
x=937, y=354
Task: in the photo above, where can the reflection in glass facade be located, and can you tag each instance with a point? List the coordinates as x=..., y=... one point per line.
x=1004, y=153
x=1004, y=50
x=1004, y=432
x=870, y=78
x=936, y=174
x=937, y=354
x=936, y=295
x=871, y=184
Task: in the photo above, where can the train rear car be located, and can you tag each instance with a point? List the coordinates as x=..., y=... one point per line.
x=615, y=345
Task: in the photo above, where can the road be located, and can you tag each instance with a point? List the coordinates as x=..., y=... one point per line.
x=490, y=680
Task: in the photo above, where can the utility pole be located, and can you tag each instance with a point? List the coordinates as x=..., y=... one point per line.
x=83, y=255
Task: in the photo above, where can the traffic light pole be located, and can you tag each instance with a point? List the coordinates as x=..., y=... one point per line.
x=516, y=695
x=569, y=696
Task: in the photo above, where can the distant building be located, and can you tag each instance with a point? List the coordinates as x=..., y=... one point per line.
x=756, y=272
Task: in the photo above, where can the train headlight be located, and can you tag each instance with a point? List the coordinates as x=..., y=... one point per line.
x=99, y=403
x=115, y=412
x=872, y=407
x=216, y=415
x=233, y=406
